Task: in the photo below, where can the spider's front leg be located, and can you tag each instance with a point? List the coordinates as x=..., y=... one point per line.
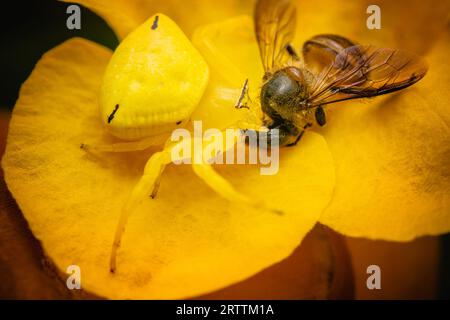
x=224, y=188
x=128, y=146
x=149, y=182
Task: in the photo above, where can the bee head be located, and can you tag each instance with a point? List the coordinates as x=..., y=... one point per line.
x=281, y=92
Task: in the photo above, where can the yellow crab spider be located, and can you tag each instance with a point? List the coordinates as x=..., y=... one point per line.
x=152, y=84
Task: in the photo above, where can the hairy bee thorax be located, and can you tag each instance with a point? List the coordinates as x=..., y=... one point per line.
x=284, y=93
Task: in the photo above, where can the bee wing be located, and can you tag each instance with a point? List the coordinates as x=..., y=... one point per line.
x=365, y=71
x=321, y=50
x=275, y=22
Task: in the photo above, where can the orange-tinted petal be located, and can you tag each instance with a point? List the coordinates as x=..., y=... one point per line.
x=186, y=242
x=125, y=15
x=392, y=158
x=409, y=25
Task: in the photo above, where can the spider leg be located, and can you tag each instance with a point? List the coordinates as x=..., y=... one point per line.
x=125, y=146
x=146, y=183
x=157, y=182
x=244, y=96
x=224, y=188
x=149, y=182
x=299, y=136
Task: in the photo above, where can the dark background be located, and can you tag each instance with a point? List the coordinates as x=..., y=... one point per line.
x=29, y=28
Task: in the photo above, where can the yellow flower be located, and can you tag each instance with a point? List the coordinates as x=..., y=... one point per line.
x=378, y=170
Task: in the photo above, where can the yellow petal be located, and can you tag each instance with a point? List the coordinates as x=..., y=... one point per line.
x=412, y=25
x=392, y=158
x=230, y=68
x=125, y=15
x=408, y=24
x=186, y=242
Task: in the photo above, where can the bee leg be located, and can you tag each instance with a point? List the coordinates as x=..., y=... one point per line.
x=265, y=138
x=149, y=179
x=299, y=136
x=125, y=146
x=292, y=52
x=285, y=133
x=320, y=116
x=296, y=140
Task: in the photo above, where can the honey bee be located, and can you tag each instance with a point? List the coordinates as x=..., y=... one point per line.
x=333, y=69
